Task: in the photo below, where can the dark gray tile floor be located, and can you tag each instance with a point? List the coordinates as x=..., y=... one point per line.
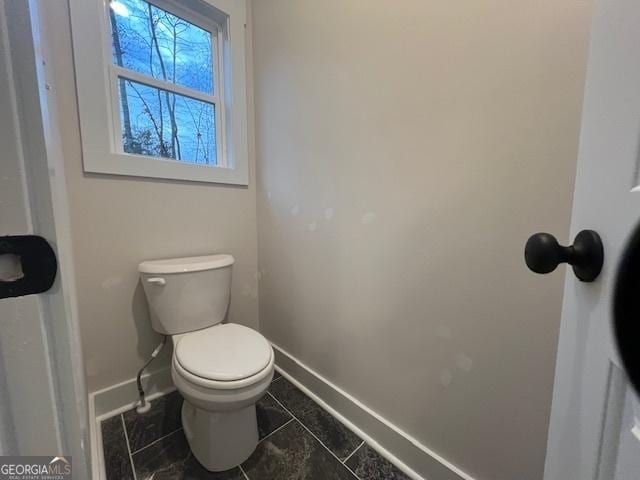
x=341, y=441
x=298, y=441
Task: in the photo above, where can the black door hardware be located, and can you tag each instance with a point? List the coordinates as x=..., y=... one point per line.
x=38, y=262
x=543, y=253
x=626, y=309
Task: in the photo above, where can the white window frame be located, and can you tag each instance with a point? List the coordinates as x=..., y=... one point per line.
x=98, y=93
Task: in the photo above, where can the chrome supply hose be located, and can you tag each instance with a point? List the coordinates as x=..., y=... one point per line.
x=143, y=405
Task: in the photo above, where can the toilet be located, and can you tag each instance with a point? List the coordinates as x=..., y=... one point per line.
x=221, y=369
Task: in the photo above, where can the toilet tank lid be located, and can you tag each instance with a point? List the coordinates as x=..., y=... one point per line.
x=186, y=264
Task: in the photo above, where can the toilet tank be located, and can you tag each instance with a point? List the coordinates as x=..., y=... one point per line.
x=187, y=294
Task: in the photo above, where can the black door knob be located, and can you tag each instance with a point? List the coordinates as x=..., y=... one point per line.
x=38, y=263
x=543, y=254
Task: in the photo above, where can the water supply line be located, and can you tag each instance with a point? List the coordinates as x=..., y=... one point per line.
x=143, y=405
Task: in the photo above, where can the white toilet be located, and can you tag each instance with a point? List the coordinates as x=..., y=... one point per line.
x=221, y=370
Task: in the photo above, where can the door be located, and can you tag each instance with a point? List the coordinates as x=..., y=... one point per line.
x=43, y=406
x=592, y=431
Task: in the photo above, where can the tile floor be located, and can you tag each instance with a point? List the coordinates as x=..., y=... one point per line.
x=298, y=440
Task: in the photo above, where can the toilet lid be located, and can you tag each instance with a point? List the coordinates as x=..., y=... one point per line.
x=225, y=352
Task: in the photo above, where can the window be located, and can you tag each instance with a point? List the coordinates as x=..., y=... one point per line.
x=166, y=75
x=171, y=102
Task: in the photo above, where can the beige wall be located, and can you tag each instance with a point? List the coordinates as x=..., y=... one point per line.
x=406, y=150
x=119, y=221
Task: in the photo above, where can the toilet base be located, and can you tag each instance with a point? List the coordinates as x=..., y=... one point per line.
x=220, y=440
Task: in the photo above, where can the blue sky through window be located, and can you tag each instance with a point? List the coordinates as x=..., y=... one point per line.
x=195, y=139
x=157, y=122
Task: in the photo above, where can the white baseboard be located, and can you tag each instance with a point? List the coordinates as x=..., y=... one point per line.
x=123, y=396
x=117, y=399
x=408, y=454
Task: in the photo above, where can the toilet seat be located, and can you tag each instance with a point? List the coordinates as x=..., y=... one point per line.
x=228, y=356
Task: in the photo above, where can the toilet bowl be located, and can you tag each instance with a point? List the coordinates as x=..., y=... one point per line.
x=221, y=369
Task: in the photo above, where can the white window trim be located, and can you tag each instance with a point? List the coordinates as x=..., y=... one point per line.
x=98, y=95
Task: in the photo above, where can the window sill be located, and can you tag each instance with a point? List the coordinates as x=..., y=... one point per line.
x=153, y=167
